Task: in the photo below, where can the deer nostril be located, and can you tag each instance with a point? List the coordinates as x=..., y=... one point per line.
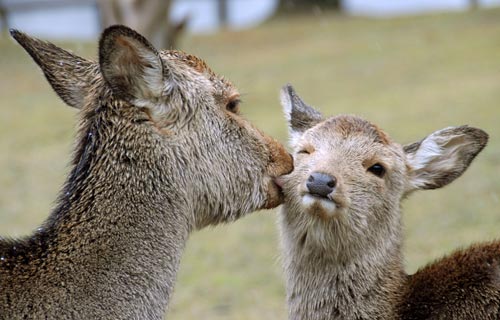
x=320, y=184
x=332, y=183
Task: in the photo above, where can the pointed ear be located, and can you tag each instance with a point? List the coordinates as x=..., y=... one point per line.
x=130, y=65
x=69, y=75
x=443, y=156
x=299, y=115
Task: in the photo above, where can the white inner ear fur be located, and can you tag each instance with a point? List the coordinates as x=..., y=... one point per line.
x=287, y=105
x=152, y=74
x=286, y=102
x=142, y=66
x=436, y=154
x=427, y=151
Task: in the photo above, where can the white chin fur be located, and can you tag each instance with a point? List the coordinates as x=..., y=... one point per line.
x=328, y=206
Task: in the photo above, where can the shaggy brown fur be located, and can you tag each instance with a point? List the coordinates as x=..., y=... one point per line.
x=341, y=223
x=161, y=151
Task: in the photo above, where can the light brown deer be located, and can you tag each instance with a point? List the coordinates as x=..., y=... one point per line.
x=341, y=223
x=161, y=151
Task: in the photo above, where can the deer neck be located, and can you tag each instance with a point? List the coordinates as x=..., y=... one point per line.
x=129, y=248
x=325, y=283
x=116, y=237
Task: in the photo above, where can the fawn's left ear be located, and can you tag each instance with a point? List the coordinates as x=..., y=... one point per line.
x=443, y=156
x=69, y=75
x=130, y=65
x=300, y=116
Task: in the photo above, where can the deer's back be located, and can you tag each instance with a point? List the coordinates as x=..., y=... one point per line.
x=463, y=285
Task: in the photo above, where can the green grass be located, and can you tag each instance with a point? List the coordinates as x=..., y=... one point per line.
x=410, y=75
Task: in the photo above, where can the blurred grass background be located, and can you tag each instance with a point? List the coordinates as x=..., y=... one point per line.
x=409, y=75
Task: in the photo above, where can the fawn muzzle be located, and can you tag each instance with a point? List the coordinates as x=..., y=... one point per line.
x=321, y=184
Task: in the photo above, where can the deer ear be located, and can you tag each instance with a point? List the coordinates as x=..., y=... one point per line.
x=69, y=75
x=299, y=115
x=443, y=156
x=130, y=65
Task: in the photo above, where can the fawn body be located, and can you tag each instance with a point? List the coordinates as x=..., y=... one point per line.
x=341, y=223
x=161, y=151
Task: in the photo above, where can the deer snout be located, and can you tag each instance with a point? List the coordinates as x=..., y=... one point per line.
x=321, y=184
x=281, y=162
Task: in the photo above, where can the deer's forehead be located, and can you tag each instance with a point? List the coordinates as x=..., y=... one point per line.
x=345, y=128
x=351, y=135
x=350, y=127
x=222, y=87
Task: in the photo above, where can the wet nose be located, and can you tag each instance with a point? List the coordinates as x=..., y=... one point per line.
x=321, y=184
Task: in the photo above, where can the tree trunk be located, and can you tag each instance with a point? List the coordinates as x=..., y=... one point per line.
x=222, y=12
x=151, y=18
x=3, y=17
x=474, y=4
x=295, y=5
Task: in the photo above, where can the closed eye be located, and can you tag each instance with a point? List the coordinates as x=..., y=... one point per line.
x=377, y=169
x=306, y=150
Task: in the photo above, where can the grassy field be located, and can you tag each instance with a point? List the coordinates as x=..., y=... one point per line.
x=410, y=75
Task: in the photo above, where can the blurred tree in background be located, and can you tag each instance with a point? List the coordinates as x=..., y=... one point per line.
x=300, y=5
x=3, y=17
x=150, y=18
x=474, y=4
x=222, y=12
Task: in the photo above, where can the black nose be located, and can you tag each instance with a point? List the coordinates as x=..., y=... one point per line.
x=320, y=184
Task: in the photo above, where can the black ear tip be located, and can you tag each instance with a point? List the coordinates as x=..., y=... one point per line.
x=15, y=33
x=288, y=90
x=110, y=34
x=481, y=136
x=117, y=28
x=22, y=38
x=114, y=31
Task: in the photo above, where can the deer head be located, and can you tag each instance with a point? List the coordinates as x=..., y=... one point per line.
x=349, y=179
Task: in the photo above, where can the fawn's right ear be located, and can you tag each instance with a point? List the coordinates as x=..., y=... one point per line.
x=131, y=66
x=299, y=115
x=69, y=75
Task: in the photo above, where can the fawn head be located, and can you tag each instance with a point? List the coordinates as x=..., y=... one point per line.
x=166, y=116
x=350, y=177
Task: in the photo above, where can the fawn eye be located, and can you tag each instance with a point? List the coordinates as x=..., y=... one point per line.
x=233, y=106
x=377, y=169
x=304, y=151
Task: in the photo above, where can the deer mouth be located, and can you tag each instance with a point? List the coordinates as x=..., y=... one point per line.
x=327, y=202
x=324, y=207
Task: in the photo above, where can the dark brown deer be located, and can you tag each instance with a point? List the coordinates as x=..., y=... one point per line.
x=161, y=151
x=341, y=223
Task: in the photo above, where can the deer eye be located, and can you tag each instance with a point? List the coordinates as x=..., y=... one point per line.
x=233, y=106
x=377, y=169
x=306, y=150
